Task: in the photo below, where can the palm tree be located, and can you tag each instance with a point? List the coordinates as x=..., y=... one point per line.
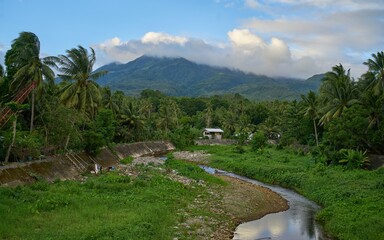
x=374, y=105
x=26, y=67
x=375, y=74
x=311, y=110
x=168, y=115
x=109, y=101
x=80, y=91
x=208, y=112
x=338, y=93
x=132, y=117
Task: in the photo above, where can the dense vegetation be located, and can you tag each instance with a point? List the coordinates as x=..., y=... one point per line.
x=78, y=114
x=353, y=200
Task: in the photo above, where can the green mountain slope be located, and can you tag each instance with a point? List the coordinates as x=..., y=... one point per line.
x=180, y=77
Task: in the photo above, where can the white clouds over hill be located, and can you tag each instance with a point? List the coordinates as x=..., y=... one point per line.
x=296, y=38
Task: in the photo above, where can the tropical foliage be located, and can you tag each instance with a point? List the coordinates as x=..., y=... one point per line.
x=76, y=113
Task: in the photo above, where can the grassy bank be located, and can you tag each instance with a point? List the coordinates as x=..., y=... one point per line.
x=109, y=206
x=352, y=200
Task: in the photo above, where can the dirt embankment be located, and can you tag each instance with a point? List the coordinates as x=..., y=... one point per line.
x=71, y=165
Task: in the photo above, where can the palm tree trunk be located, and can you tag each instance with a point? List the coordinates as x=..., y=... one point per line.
x=68, y=137
x=12, y=142
x=32, y=111
x=67, y=142
x=314, y=127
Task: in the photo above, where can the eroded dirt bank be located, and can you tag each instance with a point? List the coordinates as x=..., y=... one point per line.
x=70, y=165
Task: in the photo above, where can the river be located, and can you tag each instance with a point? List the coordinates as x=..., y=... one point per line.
x=297, y=223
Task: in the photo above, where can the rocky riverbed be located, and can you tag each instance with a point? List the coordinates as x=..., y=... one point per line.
x=229, y=205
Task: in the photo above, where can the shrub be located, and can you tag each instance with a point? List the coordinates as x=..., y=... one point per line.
x=353, y=159
x=259, y=141
x=127, y=160
x=93, y=142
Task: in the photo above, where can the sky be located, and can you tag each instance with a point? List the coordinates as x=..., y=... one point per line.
x=289, y=38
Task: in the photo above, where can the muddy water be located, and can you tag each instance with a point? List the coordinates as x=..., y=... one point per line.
x=297, y=223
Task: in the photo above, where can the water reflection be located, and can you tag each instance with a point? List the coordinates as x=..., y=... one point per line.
x=297, y=223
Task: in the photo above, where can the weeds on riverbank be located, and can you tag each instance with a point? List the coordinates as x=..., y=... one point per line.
x=352, y=200
x=109, y=206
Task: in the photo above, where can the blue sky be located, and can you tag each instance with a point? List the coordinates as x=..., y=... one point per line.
x=296, y=38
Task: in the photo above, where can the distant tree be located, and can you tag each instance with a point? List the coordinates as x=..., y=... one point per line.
x=109, y=102
x=132, y=116
x=229, y=122
x=168, y=116
x=311, y=110
x=338, y=92
x=208, y=115
x=258, y=112
x=375, y=74
x=81, y=91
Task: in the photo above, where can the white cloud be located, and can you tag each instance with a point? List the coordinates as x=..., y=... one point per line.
x=244, y=39
x=156, y=38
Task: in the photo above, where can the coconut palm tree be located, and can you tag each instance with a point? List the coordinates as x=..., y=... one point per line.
x=81, y=90
x=311, y=110
x=169, y=113
x=109, y=102
x=24, y=66
x=338, y=92
x=375, y=74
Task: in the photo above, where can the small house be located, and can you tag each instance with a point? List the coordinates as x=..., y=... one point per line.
x=213, y=133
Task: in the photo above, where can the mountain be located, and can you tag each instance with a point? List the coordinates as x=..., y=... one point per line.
x=180, y=77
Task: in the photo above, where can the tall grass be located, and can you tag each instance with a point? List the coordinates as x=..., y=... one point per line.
x=352, y=200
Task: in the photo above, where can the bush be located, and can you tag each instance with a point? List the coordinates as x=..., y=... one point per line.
x=27, y=145
x=353, y=159
x=93, y=142
x=259, y=141
x=184, y=137
x=127, y=160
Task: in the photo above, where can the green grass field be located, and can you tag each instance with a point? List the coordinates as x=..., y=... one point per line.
x=352, y=200
x=109, y=206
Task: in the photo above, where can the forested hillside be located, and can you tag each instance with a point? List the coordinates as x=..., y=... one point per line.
x=180, y=77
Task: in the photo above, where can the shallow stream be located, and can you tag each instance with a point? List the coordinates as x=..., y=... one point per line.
x=297, y=223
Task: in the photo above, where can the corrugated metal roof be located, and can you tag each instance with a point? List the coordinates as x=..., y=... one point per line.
x=219, y=130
